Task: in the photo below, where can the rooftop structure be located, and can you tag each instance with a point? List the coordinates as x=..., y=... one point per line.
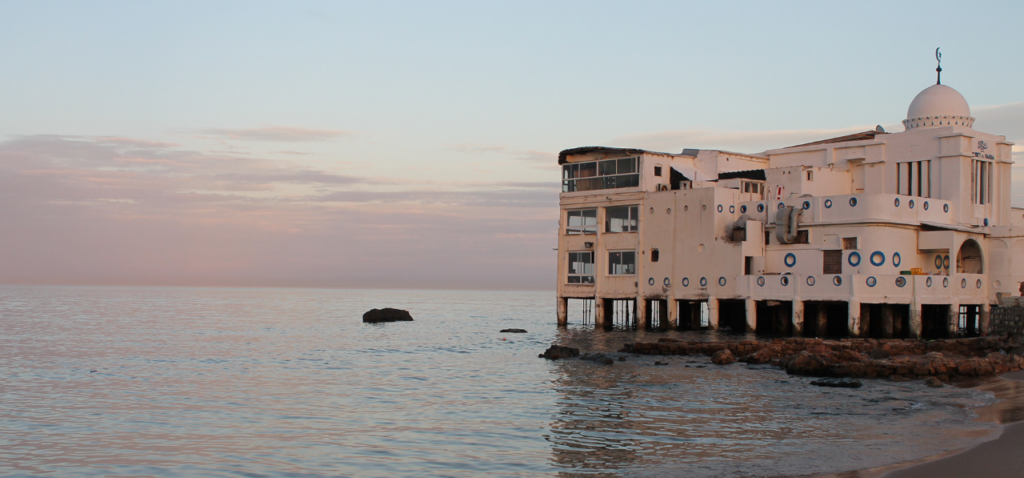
x=878, y=234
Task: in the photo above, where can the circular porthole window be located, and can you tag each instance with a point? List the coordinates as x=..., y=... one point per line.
x=925, y=206
x=896, y=202
x=896, y=259
x=979, y=283
x=703, y=281
x=760, y=208
x=760, y=281
x=782, y=205
x=721, y=281
x=743, y=209
x=667, y=282
x=810, y=280
x=807, y=205
x=790, y=259
x=853, y=202
x=901, y=281
x=837, y=280
x=871, y=281
x=650, y=281
x=732, y=209
x=719, y=208
x=928, y=282
x=854, y=259
x=828, y=203
x=945, y=262
x=686, y=282
x=963, y=283
x=877, y=258
x=938, y=261
x=945, y=208
x=784, y=281
x=911, y=204
x=945, y=282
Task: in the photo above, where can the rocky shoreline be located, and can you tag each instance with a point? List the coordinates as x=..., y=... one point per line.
x=897, y=359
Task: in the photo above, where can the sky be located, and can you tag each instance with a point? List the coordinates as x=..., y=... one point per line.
x=414, y=144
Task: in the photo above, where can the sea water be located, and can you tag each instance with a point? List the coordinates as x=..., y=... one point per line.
x=290, y=382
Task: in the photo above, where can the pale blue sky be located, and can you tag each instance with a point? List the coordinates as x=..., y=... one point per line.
x=411, y=104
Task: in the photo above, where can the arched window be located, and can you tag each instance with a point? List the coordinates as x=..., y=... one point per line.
x=968, y=258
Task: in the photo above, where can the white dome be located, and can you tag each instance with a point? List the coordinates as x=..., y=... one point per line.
x=938, y=105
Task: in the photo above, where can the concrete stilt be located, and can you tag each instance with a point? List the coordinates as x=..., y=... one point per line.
x=712, y=313
x=602, y=317
x=641, y=313
x=563, y=313
x=953, y=323
x=915, y=320
x=798, y=316
x=985, y=313
x=751, y=307
x=673, y=313
x=853, y=318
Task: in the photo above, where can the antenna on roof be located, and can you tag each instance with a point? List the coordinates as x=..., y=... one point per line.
x=938, y=69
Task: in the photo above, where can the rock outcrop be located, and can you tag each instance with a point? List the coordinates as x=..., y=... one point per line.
x=723, y=357
x=556, y=352
x=386, y=314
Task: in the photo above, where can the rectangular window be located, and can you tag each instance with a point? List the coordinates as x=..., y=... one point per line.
x=832, y=262
x=657, y=170
x=595, y=175
x=849, y=243
x=802, y=237
x=655, y=255
x=981, y=182
x=914, y=179
x=581, y=221
x=621, y=219
x=767, y=238
x=622, y=263
x=581, y=268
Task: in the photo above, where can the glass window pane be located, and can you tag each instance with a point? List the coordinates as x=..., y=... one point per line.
x=607, y=167
x=633, y=219
x=629, y=262
x=588, y=170
x=627, y=165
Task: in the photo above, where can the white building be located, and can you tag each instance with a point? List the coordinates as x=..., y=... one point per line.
x=872, y=234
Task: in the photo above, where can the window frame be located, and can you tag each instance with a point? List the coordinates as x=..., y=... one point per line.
x=626, y=174
x=622, y=254
x=582, y=228
x=632, y=219
x=582, y=276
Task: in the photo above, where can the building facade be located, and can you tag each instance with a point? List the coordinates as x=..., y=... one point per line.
x=877, y=234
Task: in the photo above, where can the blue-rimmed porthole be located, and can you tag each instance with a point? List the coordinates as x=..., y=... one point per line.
x=807, y=205
x=784, y=280
x=837, y=280
x=667, y=282
x=925, y=205
x=719, y=208
x=938, y=261
x=877, y=258
x=828, y=203
x=790, y=259
x=853, y=202
x=928, y=282
x=721, y=281
x=760, y=281
x=963, y=283
x=760, y=208
x=650, y=281
x=896, y=202
x=810, y=280
x=911, y=204
x=782, y=205
x=945, y=208
x=945, y=282
x=901, y=281
x=854, y=259
x=703, y=281
x=871, y=281
x=686, y=282
x=896, y=259
x=732, y=209
x=743, y=209
x=979, y=283
x=945, y=262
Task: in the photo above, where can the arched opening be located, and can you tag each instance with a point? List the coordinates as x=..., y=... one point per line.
x=968, y=258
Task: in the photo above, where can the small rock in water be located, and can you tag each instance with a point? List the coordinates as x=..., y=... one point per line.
x=512, y=331
x=556, y=352
x=622, y=358
x=723, y=357
x=759, y=357
x=837, y=382
x=933, y=382
x=660, y=363
x=596, y=357
x=386, y=314
x=92, y=371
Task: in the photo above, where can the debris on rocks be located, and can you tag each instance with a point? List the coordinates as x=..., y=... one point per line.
x=556, y=352
x=386, y=314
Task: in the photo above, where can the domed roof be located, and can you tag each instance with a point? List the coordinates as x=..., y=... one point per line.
x=938, y=105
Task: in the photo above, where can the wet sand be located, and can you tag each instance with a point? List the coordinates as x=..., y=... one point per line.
x=1002, y=457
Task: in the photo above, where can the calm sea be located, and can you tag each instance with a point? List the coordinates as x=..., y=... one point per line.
x=285, y=382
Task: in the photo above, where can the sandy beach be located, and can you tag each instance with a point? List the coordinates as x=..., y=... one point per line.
x=998, y=458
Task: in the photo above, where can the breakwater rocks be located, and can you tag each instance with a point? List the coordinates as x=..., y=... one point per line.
x=386, y=314
x=556, y=352
x=896, y=358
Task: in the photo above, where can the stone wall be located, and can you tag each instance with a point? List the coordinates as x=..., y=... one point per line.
x=1006, y=320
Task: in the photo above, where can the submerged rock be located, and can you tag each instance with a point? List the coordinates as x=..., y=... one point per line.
x=660, y=363
x=805, y=363
x=512, y=331
x=723, y=357
x=597, y=357
x=837, y=382
x=386, y=314
x=933, y=382
x=759, y=357
x=556, y=352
